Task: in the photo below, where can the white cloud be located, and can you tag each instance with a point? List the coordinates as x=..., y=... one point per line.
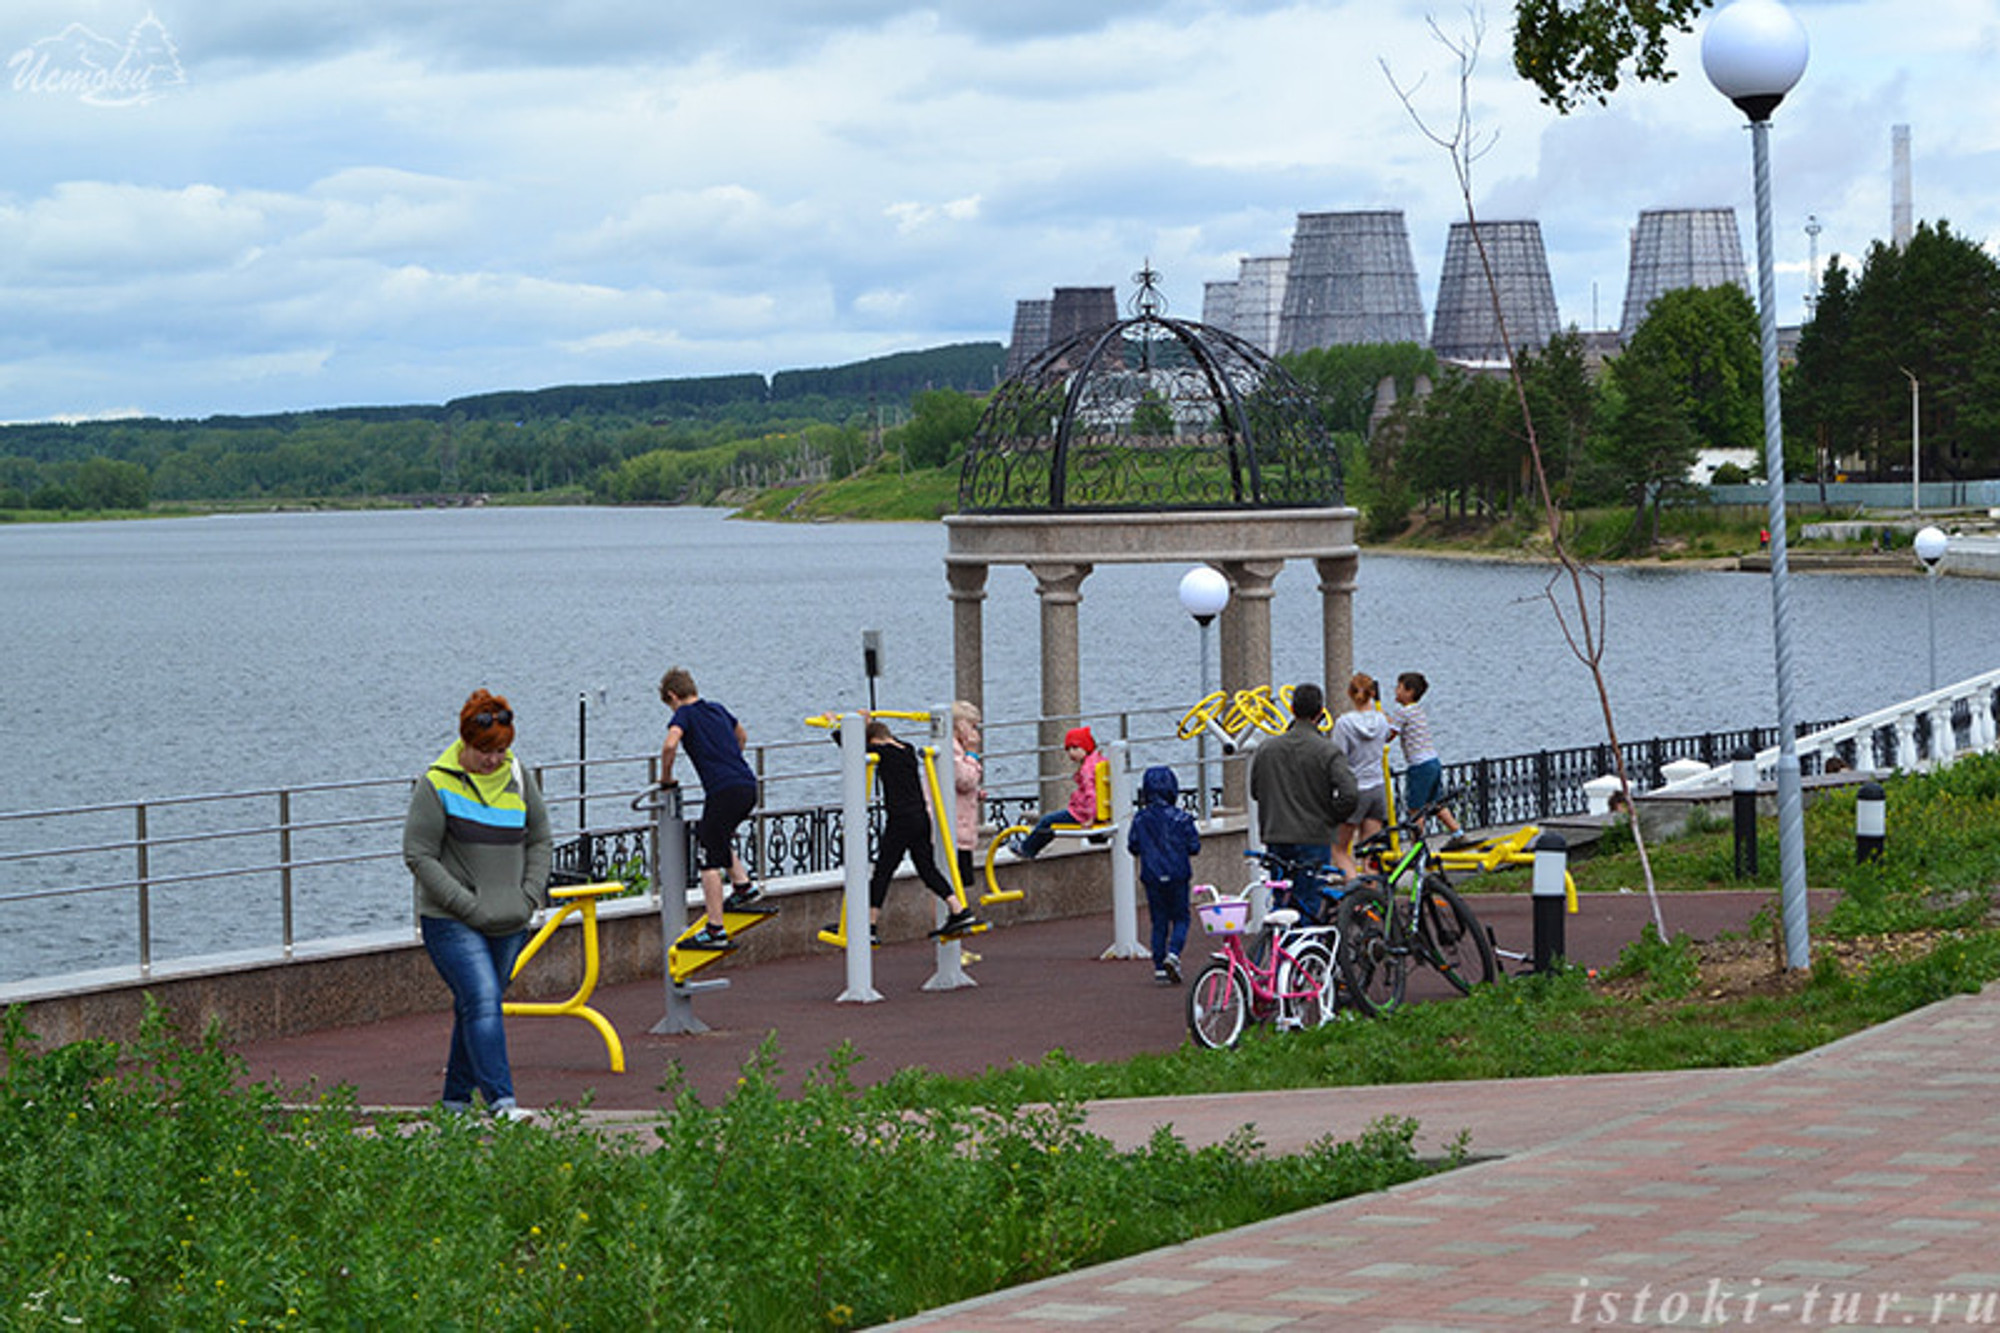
x=396, y=200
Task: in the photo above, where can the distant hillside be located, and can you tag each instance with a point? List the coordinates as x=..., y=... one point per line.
x=530, y=440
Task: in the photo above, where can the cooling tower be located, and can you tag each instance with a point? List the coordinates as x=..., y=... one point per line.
x=1075, y=309
x=1351, y=280
x=1031, y=333
x=1463, y=327
x=1680, y=247
x=1260, y=300
x=1218, y=305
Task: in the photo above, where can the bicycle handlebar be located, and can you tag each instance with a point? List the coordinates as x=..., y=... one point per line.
x=1283, y=865
x=1412, y=823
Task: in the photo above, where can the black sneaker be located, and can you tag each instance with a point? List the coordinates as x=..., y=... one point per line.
x=958, y=923
x=709, y=937
x=744, y=898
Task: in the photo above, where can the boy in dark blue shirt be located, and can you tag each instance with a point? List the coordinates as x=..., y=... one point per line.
x=714, y=740
x=1164, y=838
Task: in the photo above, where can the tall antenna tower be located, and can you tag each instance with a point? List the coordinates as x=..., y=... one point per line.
x=1813, y=230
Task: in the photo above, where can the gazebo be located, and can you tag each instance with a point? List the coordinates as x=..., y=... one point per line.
x=1150, y=440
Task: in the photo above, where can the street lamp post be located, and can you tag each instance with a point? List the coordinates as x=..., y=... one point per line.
x=1204, y=592
x=1931, y=546
x=1754, y=52
x=1916, y=442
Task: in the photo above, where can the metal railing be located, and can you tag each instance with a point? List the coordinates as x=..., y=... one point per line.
x=110, y=886
x=1921, y=733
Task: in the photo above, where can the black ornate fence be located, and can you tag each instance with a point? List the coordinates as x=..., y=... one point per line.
x=1512, y=789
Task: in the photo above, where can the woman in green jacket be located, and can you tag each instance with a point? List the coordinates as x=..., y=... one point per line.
x=477, y=840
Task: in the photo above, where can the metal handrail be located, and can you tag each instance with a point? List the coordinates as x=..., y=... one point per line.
x=1512, y=789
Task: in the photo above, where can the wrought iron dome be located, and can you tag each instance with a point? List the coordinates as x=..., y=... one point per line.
x=1150, y=413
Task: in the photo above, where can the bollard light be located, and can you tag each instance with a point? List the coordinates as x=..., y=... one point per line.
x=1551, y=874
x=1743, y=809
x=1871, y=822
x=1754, y=51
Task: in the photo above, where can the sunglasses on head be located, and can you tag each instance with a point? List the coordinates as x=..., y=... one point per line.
x=504, y=718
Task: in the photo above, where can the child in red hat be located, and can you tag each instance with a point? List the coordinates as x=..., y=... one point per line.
x=1080, y=747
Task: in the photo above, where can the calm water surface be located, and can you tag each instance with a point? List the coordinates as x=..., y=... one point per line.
x=220, y=654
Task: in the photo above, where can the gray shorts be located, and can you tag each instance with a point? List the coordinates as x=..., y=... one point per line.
x=1373, y=803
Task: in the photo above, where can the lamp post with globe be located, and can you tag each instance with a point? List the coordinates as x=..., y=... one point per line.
x=1754, y=52
x=1931, y=546
x=1204, y=592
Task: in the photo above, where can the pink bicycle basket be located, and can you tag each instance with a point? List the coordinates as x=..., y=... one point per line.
x=1227, y=916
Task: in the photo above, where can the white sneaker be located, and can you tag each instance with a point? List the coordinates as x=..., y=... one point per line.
x=512, y=1113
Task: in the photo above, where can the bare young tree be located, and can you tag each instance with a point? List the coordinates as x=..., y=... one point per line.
x=1575, y=591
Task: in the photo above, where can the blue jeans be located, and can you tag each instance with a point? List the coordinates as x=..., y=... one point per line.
x=1043, y=832
x=477, y=968
x=1167, y=905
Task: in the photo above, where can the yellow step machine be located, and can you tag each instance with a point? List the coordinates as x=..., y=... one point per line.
x=836, y=934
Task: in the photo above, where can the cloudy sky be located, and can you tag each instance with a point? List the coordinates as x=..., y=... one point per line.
x=288, y=204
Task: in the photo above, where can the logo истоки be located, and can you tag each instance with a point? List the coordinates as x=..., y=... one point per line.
x=78, y=63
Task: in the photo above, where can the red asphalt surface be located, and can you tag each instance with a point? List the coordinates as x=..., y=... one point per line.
x=1041, y=986
x=1855, y=1186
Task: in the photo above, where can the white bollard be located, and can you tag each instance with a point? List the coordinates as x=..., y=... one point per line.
x=1550, y=897
x=1124, y=874
x=1871, y=822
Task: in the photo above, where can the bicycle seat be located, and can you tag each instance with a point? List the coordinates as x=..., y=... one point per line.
x=1281, y=917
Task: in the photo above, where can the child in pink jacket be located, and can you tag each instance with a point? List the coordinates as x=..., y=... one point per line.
x=1081, y=749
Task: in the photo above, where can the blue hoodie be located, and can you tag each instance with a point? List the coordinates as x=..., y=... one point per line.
x=1163, y=836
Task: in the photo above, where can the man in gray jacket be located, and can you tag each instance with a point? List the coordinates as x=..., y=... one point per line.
x=1303, y=788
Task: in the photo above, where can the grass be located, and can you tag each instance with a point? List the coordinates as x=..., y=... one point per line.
x=151, y=1187
x=147, y=1189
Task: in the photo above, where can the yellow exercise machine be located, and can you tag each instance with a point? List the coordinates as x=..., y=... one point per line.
x=836, y=934
x=1229, y=718
x=993, y=892
x=684, y=959
x=1502, y=850
x=580, y=899
x=1508, y=849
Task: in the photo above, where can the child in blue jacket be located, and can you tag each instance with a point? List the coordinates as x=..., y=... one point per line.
x=1164, y=838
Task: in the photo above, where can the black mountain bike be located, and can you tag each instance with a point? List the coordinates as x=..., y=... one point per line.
x=1404, y=913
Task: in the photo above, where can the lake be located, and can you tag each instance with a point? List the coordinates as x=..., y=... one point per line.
x=227, y=653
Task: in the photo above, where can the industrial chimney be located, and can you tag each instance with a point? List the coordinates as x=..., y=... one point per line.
x=1901, y=223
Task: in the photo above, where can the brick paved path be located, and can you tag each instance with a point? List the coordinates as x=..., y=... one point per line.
x=1855, y=1186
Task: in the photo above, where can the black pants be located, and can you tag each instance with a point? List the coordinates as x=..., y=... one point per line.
x=906, y=834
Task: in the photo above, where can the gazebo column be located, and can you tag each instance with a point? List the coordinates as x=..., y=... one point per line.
x=1060, y=588
x=968, y=631
x=1246, y=647
x=1337, y=575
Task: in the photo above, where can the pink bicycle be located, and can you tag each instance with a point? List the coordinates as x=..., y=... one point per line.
x=1287, y=981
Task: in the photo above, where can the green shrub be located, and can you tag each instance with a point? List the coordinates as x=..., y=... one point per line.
x=151, y=1188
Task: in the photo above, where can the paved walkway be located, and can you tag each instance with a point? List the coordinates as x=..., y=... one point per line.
x=1855, y=1186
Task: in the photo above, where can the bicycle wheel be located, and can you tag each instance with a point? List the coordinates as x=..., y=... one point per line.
x=1451, y=939
x=1308, y=983
x=1218, y=1006
x=1370, y=961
